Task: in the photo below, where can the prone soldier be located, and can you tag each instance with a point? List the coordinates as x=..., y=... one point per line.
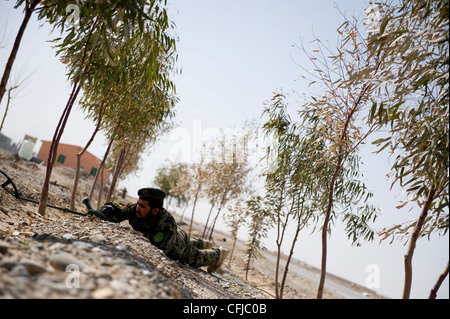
x=150, y=218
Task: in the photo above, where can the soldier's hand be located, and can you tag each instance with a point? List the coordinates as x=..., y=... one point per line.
x=106, y=211
x=97, y=214
x=102, y=213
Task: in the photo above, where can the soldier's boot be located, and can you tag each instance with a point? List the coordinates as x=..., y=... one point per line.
x=207, y=244
x=217, y=266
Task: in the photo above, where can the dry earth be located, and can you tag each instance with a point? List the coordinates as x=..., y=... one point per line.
x=63, y=255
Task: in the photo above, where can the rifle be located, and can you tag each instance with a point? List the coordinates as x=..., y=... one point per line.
x=15, y=192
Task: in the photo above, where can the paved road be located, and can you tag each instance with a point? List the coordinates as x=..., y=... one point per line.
x=331, y=284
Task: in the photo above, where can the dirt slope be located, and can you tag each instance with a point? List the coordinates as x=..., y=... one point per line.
x=63, y=255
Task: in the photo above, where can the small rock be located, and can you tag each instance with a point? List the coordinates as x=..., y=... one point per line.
x=5, y=210
x=45, y=283
x=121, y=247
x=104, y=292
x=62, y=260
x=3, y=248
x=120, y=286
x=28, y=233
x=104, y=275
x=33, y=267
x=147, y=273
x=68, y=236
x=97, y=238
x=23, y=233
x=56, y=246
x=82, y=245
x=19, y=270
x=36, y=248
x=107, y=261
x=8, y=264
x=143, y=266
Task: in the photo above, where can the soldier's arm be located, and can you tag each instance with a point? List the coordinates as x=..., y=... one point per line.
x=115, y=211
x=165, y=237
x=162, y=238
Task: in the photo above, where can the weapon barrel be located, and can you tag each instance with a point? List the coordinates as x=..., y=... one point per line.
x=85, y=201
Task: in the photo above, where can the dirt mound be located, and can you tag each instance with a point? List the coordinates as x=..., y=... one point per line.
x=68, y=256
x=62, y=255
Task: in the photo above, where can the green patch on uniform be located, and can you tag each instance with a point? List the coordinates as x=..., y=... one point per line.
x=119, y=205
x=158, y=237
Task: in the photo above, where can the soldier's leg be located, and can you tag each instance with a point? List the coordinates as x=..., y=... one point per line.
x=200, y=257
x=201, y=243
x=196, y=242
x=191, y=251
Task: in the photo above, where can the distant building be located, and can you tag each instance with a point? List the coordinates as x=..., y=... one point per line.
x=7, y=144
x=67, y=156
x=26, y=149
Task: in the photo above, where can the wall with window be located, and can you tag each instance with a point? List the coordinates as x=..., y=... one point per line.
x=67, y=156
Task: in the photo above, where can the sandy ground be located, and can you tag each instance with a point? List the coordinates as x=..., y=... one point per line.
x=120, y=263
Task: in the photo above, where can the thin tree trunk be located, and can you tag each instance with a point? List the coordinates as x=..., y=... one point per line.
x=412, y=243
x=117, y=171
x=280, y=239
x=280, y=235
x=277, y=267
x=54, y=150
x=182, y=214
x=288, y=261
x=60, y=128
x=77, y=173
x=278, y=242
x=214, y=223
x=192, y=215
x=436, y=287
x=323, y=270
x=222, y=203
x=123, y=163
x=207, y=221
x=102, y=164
x=15, y=48
x=7, y=106
x=77, y=177
x=232, y=250
x=100, y=191
x=247, y=267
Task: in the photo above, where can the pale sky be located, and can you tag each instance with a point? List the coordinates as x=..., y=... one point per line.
x=233, y=55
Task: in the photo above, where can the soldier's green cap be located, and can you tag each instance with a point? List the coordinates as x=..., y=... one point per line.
x=147, y=193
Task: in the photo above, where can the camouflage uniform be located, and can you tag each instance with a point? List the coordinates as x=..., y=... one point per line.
x=164, y=233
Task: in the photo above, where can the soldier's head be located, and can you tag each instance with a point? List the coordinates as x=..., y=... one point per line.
x=150, y=202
